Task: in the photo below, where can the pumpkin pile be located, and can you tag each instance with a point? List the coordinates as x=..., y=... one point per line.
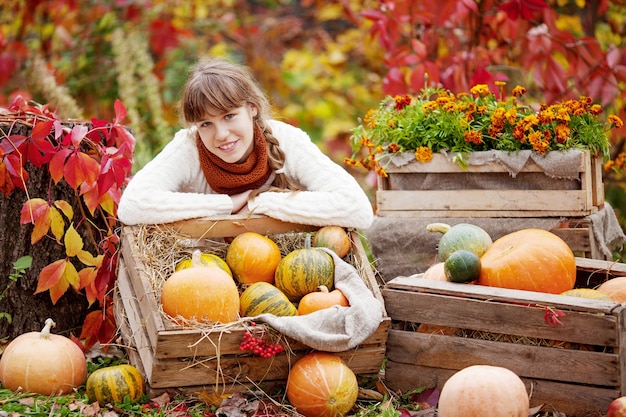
x=255, y=278
x=528, y=259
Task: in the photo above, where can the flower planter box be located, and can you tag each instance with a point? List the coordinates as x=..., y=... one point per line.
x=577, y=368
x=441, y=188
x=174, y=356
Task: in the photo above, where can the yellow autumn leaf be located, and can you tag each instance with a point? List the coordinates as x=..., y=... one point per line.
x=66, y=208
x=69, y=277
x=73, y=242
x=88, y=259
x=57, y=225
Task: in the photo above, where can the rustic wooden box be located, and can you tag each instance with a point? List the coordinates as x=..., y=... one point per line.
x=577, y=368
x=416, y=190
x=172, y=356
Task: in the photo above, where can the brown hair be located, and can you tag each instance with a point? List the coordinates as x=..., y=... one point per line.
x=216, y=85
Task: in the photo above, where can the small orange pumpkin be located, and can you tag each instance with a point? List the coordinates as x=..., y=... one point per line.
x=531, y=260
x=615, y=288
x=321, y=299
x=320, y=384
x=252, y=258
x=43, y=363
x=334, y=238
x=202, y=293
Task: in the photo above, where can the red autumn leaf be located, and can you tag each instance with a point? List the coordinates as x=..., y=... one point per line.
x=80, y=168
x=57, y=277
x=11, y=143
x=36, y=211
x=525, y=9
x=87, y=276
x=99, y=327
x=57, y=164
x=14, y=167
x=120, y=111
x=113, y=171
x=6, y=183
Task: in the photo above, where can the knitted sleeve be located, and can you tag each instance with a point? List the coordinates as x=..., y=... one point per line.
x=171, y=187
x=331, y=195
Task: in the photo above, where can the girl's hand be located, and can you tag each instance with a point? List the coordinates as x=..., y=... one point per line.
x=240, y=202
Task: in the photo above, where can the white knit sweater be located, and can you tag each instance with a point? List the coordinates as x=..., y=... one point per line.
x=172, y=187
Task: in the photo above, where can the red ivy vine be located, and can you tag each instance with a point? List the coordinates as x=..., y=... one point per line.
x=95, y=160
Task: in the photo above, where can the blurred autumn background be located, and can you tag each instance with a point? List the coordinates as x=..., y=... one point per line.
x=324, y=64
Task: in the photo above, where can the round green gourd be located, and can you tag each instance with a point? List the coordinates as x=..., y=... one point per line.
x=111, y=384
x=263, y=297
x=303, y=271
x=460, y=236
x=462, y=266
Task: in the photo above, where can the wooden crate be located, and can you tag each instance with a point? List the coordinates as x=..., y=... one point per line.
x=577, y=368
x=579, y=236
x=415, y=190
x=172, y=356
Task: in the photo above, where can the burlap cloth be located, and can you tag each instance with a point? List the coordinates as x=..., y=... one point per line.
x=403, y=246
x=338, y=328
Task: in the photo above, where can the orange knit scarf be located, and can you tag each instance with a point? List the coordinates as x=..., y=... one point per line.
x=227, y=178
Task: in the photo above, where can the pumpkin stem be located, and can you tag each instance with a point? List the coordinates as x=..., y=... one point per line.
x=45, y=332
x=307, y=241
x=196, y=258
x=322, y=288
x=438, y=227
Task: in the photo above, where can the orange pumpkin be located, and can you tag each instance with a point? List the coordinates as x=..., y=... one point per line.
x=529, y=259
x=614, y=288
x=320, y=384
x=253, y=257
x=201, y=293
x=483, y=390
x=334, y=238
x=321, y=299
x=43, y=363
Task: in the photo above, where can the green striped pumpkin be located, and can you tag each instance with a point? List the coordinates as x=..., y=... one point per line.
x=111, y=384
x=263, y=297
x=303, y=271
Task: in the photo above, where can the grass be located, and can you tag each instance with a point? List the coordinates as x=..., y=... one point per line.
x=181, y=403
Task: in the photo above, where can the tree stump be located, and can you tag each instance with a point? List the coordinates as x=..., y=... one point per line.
x=29, y=311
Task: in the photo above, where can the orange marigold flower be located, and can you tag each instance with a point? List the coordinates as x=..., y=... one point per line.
x=351, y=162
x=498, y=116
x=380, y=170
x=379, y=149
x=402, y=101
x=616, y=121
x=429, y=106
x=370, y=119
x=473, y=136
x=562, y=133
x=519, y=91
x=595, y=109
x=391, y=123
x=424, y=154
x=480, y=90
x=518, y=132
x=535, y=139
x=511, y=115
x=393, y=148
x=367, y=143
x=586, y=100
x=609, y=165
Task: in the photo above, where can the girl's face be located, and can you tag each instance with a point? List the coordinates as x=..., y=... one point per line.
x=230, y=135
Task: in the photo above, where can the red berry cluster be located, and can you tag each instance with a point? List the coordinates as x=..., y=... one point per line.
x=259, y=346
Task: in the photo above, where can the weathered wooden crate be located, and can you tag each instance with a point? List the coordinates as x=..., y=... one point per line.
x=172, y=356
x=441, y=188
x=577, y=368
x=579, y=236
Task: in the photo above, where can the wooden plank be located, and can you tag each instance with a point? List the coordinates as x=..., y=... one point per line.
x=571, y=399
x=621, y=351
x=138, y=335
x=441, y=164
x=416, y=213
x=501, y=318
x=578, y=239
x=605, y=268
x=564, y=201
x=540, y=362
x=234, y=225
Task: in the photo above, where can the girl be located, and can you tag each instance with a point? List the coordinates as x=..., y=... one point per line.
x=233, y=159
